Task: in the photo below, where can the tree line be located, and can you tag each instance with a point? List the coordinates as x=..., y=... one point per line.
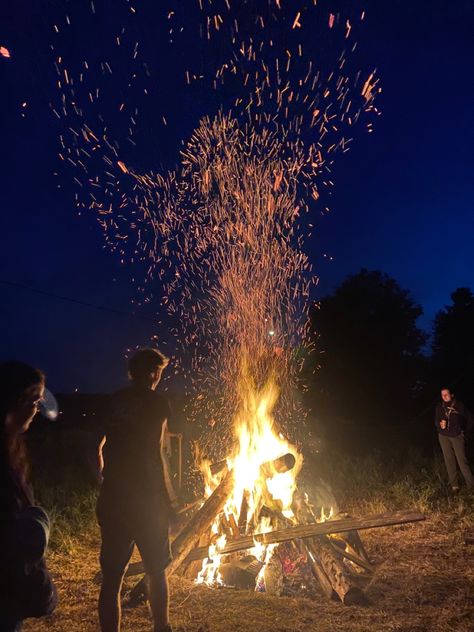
x=371, y=364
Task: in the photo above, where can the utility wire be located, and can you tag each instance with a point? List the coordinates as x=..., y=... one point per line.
x=68, y=299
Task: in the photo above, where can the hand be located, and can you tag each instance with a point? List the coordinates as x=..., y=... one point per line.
x=443, y=424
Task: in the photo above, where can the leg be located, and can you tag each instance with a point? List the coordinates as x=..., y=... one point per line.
x=158, y=596
x=153, y=543
x=109, y=602
x=459, y=449
x=115, y=553
x=449, y=459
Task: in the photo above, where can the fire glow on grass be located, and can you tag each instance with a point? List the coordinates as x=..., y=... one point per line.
x=256, y=483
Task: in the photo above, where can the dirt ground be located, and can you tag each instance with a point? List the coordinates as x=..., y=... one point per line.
x=424, y=582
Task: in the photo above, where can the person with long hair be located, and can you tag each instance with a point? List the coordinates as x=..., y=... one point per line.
x=26, y=589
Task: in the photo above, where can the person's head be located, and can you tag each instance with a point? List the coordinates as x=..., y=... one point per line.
x=146, y=366
x=21, y=390
x=447, y=395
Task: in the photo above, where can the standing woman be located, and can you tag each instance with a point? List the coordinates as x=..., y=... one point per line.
x=26, y=589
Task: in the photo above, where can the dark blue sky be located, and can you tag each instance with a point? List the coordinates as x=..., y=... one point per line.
x=402, y=201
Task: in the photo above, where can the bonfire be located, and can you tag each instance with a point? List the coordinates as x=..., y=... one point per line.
x=255, y=529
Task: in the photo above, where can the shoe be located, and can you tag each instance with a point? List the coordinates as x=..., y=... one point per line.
x=455, y=489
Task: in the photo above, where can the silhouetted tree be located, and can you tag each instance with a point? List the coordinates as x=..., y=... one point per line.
x=453, y=345
x=367, y=350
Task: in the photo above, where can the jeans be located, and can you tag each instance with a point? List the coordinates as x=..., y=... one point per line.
x=454, y=450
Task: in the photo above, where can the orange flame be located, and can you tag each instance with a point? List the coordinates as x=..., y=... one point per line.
x=258, y=443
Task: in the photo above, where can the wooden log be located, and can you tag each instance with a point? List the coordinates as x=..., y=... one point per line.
x=356, y=546
x=203, y=518
x=353, y=541
x=244, y=508
x=234, y=526
x=341, y=549
x=191, y=571
x=337, y=574
x=312, y=530
x=280, y=465
x=318, y=571
x=200, y=521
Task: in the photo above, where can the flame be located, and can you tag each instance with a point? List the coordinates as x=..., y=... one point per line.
x=325, y=517
x=258, y=443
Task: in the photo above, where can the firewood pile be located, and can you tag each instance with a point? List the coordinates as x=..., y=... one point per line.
x=303, y=555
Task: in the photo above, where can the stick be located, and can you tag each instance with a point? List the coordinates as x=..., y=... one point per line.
x=200, y=521
x=318, y=571
x=312, y=530
x=350, y=555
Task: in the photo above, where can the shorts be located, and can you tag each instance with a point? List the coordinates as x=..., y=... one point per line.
x=142, y=522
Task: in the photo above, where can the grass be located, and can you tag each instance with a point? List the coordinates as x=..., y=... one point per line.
x=424, y=579
x=375, y=484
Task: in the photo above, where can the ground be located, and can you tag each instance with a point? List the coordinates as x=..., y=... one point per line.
x=424, y=582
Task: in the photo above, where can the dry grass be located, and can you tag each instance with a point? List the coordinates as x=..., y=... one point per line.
x=424, y=582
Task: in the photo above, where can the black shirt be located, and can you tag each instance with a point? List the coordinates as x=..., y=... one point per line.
x=132, y=458
x=457, y=416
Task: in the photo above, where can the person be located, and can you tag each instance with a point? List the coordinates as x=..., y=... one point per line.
x=135, y=503
x=452, y=419
x=26, y=588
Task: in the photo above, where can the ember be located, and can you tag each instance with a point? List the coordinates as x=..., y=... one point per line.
x=223, y=234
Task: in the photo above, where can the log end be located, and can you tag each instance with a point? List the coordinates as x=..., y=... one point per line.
x=355, y=596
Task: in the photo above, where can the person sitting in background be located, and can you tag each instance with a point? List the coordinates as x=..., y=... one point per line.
x=452, y=419
x=135, y=502
x=26, y=589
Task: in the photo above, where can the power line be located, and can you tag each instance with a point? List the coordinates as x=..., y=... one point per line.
x=68, y=299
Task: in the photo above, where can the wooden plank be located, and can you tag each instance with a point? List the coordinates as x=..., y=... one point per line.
x=200, y=522
x=312, y=530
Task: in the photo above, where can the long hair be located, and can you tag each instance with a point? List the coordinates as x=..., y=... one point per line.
x=15, y=379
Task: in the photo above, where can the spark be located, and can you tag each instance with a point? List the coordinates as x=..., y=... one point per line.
x=221, y=236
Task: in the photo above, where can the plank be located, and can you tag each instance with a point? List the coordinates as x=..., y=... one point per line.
x=312, y=530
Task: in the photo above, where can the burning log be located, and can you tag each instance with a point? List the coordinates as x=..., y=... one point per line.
x=241, y=573
x=182, y=545
x=311, y=531
x=341, y=549
x=187, y=537
x=200, y=522
x=244, y=507
x=337, y=574
x=273, y=576
x=280, y=465
x=191, y=571
x=319, y=572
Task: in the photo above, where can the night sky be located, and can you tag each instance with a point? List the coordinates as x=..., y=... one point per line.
x=402, y=202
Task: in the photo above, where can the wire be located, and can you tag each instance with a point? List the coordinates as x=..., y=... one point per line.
x=68, y=299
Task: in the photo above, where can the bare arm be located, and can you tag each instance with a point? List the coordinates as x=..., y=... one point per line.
x=100, y=458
